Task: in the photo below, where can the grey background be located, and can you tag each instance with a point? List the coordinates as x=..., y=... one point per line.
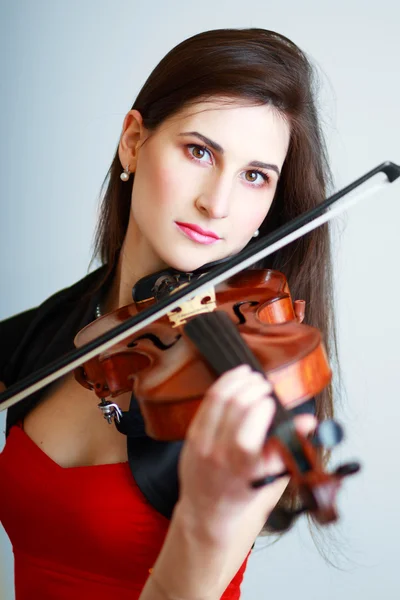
x=70, y=72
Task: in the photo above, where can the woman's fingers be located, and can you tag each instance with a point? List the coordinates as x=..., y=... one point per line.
x=248, y=434
x=207, y=418
x=224, y=406
x=226, y=447
x=233, y=419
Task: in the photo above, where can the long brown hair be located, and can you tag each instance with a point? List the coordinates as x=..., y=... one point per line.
x=262, y=68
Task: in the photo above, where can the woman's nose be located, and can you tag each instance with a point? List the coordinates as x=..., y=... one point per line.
x=215, y=203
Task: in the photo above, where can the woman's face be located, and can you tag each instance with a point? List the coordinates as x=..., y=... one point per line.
x=204, y=181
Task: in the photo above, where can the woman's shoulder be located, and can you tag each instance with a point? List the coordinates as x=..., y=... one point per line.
x=14, y=325
x=14, y=329
x=34, y=338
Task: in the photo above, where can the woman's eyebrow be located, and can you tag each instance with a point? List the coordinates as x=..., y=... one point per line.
x=218, y=148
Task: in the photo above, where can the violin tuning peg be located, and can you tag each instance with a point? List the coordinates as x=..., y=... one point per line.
x=328, y=434
x=348, y=469
x=280, y=519
x=267, y=480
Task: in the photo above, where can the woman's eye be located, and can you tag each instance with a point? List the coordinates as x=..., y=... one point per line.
x=197, y=152
x=257, y=177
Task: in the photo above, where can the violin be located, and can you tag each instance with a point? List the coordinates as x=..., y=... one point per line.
x=169, y=365
x=317, y=489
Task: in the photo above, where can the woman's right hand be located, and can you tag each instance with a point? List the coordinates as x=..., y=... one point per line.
x=225, y=450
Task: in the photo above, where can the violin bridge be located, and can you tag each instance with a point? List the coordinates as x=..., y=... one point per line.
x=196, y=305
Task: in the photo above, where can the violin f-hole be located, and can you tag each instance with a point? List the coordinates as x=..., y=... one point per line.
x=237, y=310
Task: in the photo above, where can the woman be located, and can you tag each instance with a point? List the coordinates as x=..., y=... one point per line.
x=221, y=145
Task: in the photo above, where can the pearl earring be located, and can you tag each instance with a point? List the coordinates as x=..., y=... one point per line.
x=125, y=174
x=255, y=234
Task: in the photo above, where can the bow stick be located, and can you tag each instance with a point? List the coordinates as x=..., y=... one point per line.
x=279, y=238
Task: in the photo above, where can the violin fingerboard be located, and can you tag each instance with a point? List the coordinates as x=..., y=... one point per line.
x=220, y=343
x=218, y=340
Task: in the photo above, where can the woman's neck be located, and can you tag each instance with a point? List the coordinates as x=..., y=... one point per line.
x=136, y=260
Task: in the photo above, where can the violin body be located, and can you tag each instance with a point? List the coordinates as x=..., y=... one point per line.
x=169, y=376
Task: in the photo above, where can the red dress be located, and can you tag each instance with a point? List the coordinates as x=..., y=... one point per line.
x=81, y=532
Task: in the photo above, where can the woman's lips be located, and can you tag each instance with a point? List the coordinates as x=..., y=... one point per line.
x=197, y=234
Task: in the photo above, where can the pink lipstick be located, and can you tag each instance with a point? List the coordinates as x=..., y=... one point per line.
x=197, y=234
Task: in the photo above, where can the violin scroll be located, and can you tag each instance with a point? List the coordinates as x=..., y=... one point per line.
x=317, y=488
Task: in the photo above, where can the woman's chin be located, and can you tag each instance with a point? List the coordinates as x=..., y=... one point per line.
x=187, y=265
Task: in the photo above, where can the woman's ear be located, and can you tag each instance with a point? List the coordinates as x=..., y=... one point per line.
x=132, y=137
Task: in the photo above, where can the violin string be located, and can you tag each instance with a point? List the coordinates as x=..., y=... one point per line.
x=226, y=349
x=204, y=335
x=222, y=339
x=212, y=336
x=234, y=341
x=229, y=338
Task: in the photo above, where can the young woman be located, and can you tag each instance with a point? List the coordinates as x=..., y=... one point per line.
x=221, y=145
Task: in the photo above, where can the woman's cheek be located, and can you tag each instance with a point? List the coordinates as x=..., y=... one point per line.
x=248, y=222
x=167, y=184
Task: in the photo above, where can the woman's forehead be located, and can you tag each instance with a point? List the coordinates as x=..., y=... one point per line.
x=226, y=110
x=233, y=123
